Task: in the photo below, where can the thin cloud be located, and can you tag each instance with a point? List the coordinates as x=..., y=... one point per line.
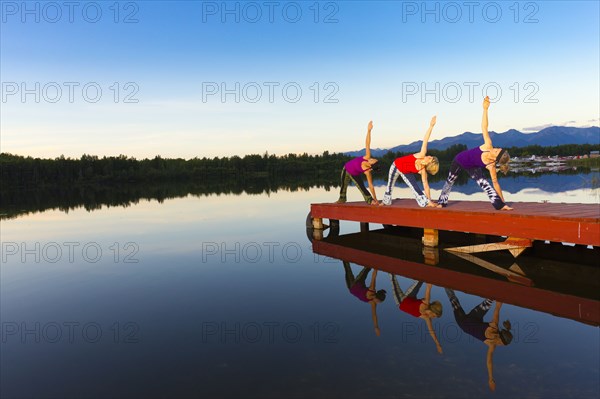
x=567, y=123
x=537, y=128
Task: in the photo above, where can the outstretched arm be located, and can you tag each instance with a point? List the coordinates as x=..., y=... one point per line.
x=368, y=142
x=484, y=122
x=494, y=176
x=432, y=204
x=373, y=280
x=423, y=174
x=423, y=151
x=433, y=336
x=496, y=317
x=371, y=188
x=428, y=320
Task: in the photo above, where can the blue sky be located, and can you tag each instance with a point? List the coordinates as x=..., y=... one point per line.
x=365, y=60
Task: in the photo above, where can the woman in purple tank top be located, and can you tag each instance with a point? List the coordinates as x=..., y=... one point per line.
x=356, y=167
x=369, y=294
x=474, y=161
x=487, y=332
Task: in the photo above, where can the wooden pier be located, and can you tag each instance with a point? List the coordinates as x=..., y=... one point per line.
x=568, y=223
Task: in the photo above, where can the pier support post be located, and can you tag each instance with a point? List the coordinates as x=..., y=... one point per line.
x=431, y=256
x=364, y=227
x=317, y=234
x=430, y=237
x=318, y=224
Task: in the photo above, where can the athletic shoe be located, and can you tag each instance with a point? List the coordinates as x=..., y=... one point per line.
x=387, y=199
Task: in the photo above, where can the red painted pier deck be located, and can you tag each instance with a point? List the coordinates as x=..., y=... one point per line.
x=571, y=223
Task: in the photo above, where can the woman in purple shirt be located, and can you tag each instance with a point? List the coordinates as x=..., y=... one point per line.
x=487, y=332
x=358, y=287
x=474, y=161
x=356, y=167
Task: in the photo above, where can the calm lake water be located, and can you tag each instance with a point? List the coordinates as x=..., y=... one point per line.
x=222, y=296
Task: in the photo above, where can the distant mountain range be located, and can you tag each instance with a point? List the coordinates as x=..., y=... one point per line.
x=550, y=136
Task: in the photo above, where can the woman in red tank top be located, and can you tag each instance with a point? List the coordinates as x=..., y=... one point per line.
x=409, y=166
x=422, y=308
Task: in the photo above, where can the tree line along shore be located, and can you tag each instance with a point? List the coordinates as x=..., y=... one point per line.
x=18, y=171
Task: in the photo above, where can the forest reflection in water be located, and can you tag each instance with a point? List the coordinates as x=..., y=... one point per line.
x=15, y=201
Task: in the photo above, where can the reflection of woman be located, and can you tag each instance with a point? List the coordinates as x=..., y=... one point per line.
x=474, y=161
x=359, y=289
x=422, y=308
x=353, y=170
x=488, y=333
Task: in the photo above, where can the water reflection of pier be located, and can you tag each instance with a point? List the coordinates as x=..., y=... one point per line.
x=546, y=279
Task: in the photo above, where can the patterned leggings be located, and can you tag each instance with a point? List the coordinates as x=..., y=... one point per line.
x=399, y=295
x=477, y=175
x=411, y=182
x=345, y=180
x=476, y=313
x=350, y=279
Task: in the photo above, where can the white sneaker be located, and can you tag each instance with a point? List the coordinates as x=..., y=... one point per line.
x=387, y=199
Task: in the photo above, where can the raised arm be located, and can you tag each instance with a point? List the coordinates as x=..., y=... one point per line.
x=491, y=348
x=374, y=315
x=374, y=305
x=490, y=366
x=368, y=141
x=423, y=151
x=484, y=122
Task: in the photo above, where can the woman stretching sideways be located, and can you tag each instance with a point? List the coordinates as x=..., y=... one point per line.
x=474, y=161
x=354, y=168
x=409, y=166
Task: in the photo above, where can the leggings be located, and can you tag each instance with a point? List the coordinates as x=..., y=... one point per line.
x=350, y=280
x=346, y=178
x=399, y=295
x=410, y=181
x=477, y=175
x=476, y=313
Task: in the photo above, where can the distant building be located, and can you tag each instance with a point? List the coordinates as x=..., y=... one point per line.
x=594, y=154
